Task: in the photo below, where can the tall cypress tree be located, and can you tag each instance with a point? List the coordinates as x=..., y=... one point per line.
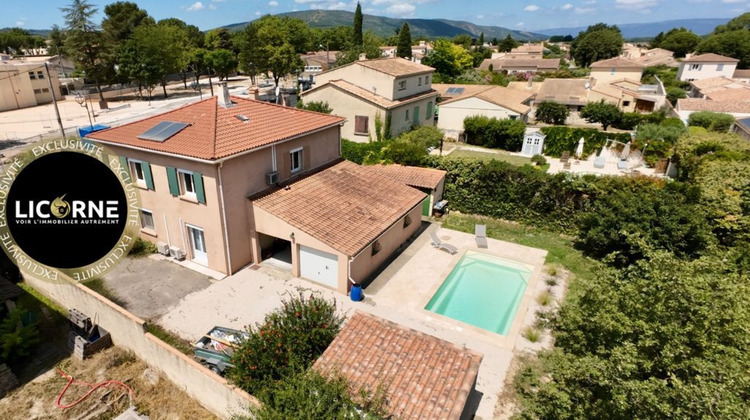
x=358, y=26
x=403, y=49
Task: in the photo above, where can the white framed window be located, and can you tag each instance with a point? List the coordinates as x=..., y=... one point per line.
x=296, y=159
x=719, y=67
x=147, y=219
x=695, y=67
x=32, y=76
x=187, y=185
x=402, y=85
x=40, y=75
x=419, y=81
x=407, y=115
x=136, y=169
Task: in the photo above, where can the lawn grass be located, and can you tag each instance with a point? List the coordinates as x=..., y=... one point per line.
x=169, y=338
x=97, y=284
x=559, y=247
x=489, y=155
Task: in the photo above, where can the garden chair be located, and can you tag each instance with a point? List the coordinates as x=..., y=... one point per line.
x=437, y=243
x=480, y=232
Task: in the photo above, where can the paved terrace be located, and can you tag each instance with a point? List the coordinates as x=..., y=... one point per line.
x=398, y=294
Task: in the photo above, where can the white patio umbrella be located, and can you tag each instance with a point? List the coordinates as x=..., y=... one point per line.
x=626, y=151
x=579, y=149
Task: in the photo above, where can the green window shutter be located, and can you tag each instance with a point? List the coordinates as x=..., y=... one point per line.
x=147, y=175
x=174, y=187
x=198, y=184
x=125, y=166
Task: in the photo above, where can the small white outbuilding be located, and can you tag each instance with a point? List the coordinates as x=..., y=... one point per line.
x=533, y=144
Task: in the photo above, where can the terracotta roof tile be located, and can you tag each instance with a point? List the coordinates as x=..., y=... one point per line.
x=564, y=91
x=504, y=63
x=215, y=132
x=395, y=66
x=424, y=377
x=412, y=176
x=370, y=96
x=710, y=58
x=616, y=62
x=731, y=107
x=345, y=206
x=512, y=99
x=741, y=74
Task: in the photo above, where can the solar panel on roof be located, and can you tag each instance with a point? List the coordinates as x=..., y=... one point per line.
x=163, y=131
x=450, y=90
x=458, y=91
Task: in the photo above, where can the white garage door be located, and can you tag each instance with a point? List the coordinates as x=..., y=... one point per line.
x=318, y=266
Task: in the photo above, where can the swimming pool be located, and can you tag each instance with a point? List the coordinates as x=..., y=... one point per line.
x=482, y=290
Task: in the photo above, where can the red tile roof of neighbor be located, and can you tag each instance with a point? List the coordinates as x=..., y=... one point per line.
x=616, y=62
x=424, y=377
x=215, y=132
x=730, y=107
x=367, y=95
x=412, y=175
x=710, y=58
x=345, y=206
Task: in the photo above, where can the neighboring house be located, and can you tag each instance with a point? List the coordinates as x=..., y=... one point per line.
x=649, y=57
x=571, y=92
x=742, y=127
x=720, y=89
x=417, y=51
x=513, y=65
x=232, y=186
x=319, y=61
x=629, y=95
x=461, y=101
x=396, y=90
x=686, y=106
x=617, y=68
x=742, y=76
x=429, y=181
x=24, y=85
x=706, y=66
x=529, y=51
x=423, y=377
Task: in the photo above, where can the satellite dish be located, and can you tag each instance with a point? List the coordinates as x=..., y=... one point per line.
x=587, y=85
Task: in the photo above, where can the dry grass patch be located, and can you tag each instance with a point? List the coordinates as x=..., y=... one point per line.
x=155, y=396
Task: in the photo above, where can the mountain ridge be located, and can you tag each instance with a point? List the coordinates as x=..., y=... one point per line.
x=701, y=26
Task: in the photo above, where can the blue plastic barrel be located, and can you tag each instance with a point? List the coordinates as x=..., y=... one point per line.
x=356, y=293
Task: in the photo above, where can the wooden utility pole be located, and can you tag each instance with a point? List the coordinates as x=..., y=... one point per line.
x=54, y=100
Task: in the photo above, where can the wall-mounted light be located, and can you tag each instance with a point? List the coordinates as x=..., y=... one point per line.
x=291, y=235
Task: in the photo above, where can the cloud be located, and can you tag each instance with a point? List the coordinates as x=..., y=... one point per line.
x=273, y=3
x=212, y=6
x=20, y=23
x=567, y=6
x=401, y=9
x=519, y=25
x=258, y=13
x=583, y=10
x=480, y=16
x=699, y=1
x=218, y=1
x=641, y=5
x=195, y=7
x=338, y=6
x=732, y=1
x=531, y=8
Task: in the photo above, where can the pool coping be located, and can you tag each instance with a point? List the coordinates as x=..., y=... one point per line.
x=504, y=341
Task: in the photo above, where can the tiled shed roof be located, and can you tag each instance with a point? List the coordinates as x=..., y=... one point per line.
x=710, y=58
x=370, y=96
x=616, y=62
x=346, y=206
x=730, y=107
x=396, y=66
x=425, y=377
x=215, y=132
x=412, y=175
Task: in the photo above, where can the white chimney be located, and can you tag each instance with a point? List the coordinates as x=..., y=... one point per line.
x=223, y=95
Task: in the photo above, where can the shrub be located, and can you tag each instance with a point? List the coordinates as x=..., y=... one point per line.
x=551, y=281
x=711, y=121
x=287, y=342
x=539, y=160
x=532, y=334
x=544, y=298
x=674, y=93
x=308, y=395
x=18, y=335
x=142, y=248
x=600, y=112
x=504, y=134
x=552, y=112
x=356, y=152
x=317, y=106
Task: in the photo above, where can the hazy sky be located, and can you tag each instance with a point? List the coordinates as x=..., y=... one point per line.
x=524, y=14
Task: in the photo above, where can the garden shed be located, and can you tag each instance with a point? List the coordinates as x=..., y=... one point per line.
x=533, y=144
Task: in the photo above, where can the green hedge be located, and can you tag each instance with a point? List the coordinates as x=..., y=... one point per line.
x=561, y=139
x=503, y=134
x=357, y=152
x=711, y=121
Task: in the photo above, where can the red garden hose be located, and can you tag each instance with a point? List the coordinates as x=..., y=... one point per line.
x=93, y=387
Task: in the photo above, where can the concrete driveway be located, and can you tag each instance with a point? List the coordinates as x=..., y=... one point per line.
x=151, y=286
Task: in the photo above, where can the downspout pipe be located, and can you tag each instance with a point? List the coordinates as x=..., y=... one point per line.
x=224, y=221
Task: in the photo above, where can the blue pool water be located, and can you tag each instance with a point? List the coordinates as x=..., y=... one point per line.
x=482, y=290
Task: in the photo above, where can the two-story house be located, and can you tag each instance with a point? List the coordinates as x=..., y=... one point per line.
x=397, y=91
x=614, y=69
x=25, y=84
x=230, y=181
x=706, y=66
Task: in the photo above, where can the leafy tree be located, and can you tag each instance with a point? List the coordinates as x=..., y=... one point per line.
x=370, y=48
x=218, y=39
x=195, y=37
x=597, y=42
x=17, y=339
x=84, y=43
x=560, y=38
x=275, y=53
x=674, y=93
x=507, y=44
x=358, y=37
x=448, y=58
x=711, y=121
x=504, y=134
x=286, y=343
x=309, y=395
x=656, y=42
x=601, y=112
x=480, y=43
x=463, y=40
x=552, y=112
x=57, y=41
x=120, y=20
x=681, y=41
x=153, y=53
x=735, y=44
x=15, y=40
x=334, y=39
x=250, y=53
x=317, y=106
x=223, y=62
x=403, y=49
